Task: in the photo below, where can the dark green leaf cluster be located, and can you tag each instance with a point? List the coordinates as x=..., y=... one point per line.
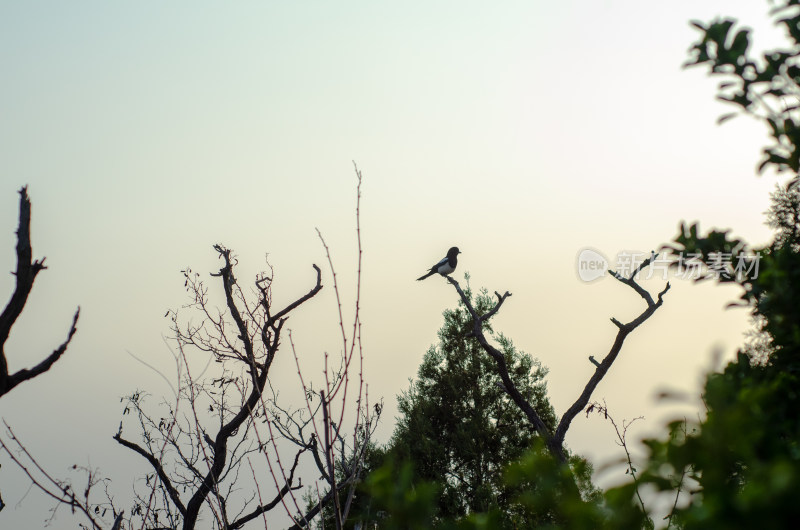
x=457, y=425
x=408, y=504
x=546, y=498
x=744, y=459
x=767, y=87
x=447, y=464
x=740, y=466
x=772, y=290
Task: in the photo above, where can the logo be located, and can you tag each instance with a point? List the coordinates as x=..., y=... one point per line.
x=591, y=265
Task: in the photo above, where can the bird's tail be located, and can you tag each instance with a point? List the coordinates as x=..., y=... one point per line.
x=426, y=275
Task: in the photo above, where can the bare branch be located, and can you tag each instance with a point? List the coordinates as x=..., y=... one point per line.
x=263, y=508
x=222, y=451
x=60, y=491
x=314, y=290
x=555, y=441
x=622, y=333
x=25, y=274
x=159, y=469
x=496, y=308
x=621, y=441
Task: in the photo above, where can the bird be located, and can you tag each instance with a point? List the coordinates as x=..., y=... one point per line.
x=445, y=266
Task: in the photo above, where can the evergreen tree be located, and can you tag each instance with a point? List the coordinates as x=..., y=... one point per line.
x=457, y=426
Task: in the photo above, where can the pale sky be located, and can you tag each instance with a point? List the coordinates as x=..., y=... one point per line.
x=520, y=132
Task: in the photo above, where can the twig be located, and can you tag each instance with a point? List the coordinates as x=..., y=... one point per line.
x=621, y=441
x=61, y=493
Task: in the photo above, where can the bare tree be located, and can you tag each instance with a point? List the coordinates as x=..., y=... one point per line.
x=196, y=446
x=200, y=446
x=196, y=458
x=27, y=270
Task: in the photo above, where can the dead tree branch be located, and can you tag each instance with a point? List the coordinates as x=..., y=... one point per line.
x=234, y=398
x=159, y=469
x=265, y=507
x=27, y=270
x=59, y=490
x=623, y=330
x=555, y=440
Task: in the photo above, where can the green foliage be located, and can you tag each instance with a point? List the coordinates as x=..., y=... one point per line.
x=740, y=466
x=463, y=456
x=457, y=425
x=744, y=459
x=544, y=498
x=760, y=86
x=399, y=502
x=763, y=87
x=772, y=287
x=403, y=503
x=547, y=498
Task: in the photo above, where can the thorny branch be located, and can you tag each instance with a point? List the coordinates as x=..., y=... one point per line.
x=340, y=464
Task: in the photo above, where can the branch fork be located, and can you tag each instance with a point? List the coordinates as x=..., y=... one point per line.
x=555, y=440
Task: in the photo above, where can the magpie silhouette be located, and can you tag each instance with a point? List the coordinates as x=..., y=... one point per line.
x=446, y=266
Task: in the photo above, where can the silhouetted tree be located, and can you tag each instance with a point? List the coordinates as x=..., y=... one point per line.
x=27, y=270
x=219, y=423
x=225, y=422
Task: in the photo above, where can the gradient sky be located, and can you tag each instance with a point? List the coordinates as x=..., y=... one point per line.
x=521, y=132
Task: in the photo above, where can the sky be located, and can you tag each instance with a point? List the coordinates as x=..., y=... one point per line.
x=521, y=132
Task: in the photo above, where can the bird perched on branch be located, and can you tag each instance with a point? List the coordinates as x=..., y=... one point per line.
x=446, y=265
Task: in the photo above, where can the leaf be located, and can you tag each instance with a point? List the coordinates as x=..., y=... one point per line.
x=740, y=43
x=697, y=24
x=725, y=117
x=718, y=32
